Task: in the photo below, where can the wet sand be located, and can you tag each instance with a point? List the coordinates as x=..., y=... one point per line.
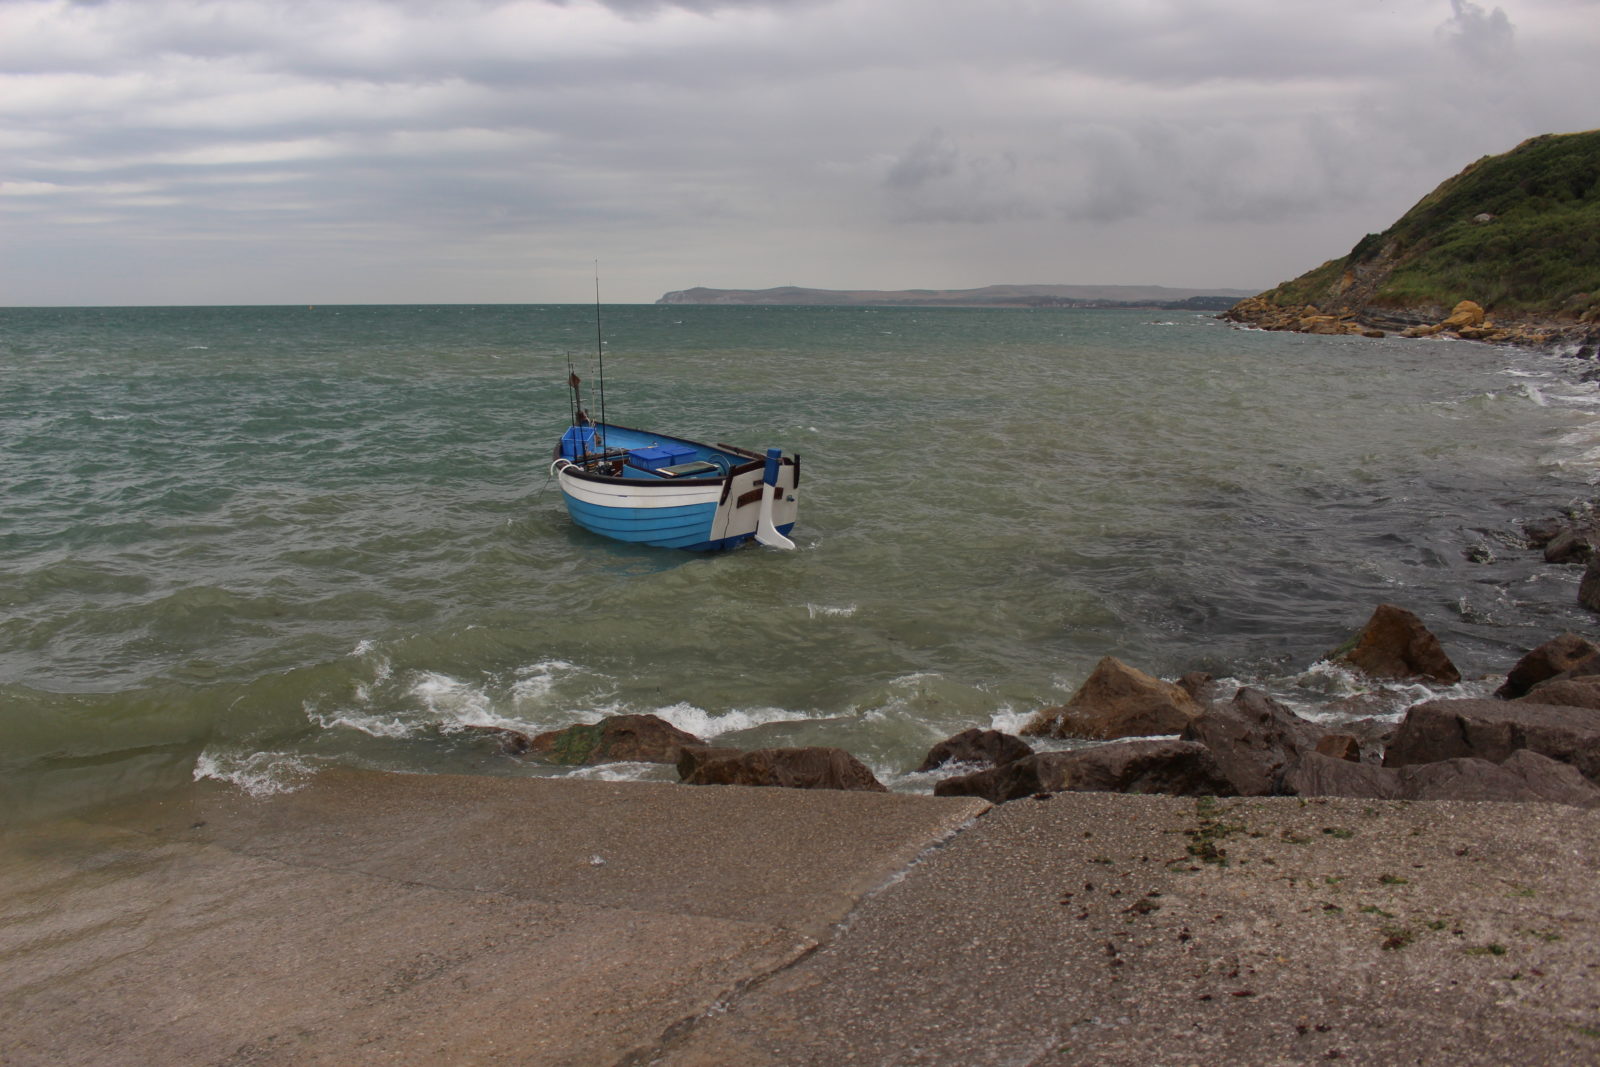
x=374, y=918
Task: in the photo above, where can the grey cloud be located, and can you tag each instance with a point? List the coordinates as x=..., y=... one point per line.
x=744, y=133
x=1479, y=35
x=931, y=158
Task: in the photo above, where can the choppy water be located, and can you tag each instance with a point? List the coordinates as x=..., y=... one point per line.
x=252, y=542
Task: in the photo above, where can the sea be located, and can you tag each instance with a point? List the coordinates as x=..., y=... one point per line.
x=250, y=544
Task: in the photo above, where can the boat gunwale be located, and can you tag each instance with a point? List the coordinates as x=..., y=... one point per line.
x=756, y=462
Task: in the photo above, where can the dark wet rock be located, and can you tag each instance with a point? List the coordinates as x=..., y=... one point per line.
x=1525, y=776
x=1555, y=656
x=1494, y=730
x=1178, y=768
x=1540, y=532
x=1254, y=739
x=1318, y=775
x=1340, y=746
x=615, y=739
x=1589, y=587
x=1373, y=733
x=790, y=768
x=1565, y=692
x=1117, y=701
x=1395, y=644
x=512, y=742
x=1569, y=546
x=1200, y=685
x=691, y=757
x=988, y=747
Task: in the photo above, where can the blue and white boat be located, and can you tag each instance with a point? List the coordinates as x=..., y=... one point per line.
x=657, y=489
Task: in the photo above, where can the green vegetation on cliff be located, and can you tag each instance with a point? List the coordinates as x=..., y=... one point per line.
x=1518, y=233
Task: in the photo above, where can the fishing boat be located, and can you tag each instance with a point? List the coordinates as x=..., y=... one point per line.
x=658, y=489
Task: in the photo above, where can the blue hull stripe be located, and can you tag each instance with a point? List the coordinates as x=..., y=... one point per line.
x=680, y=527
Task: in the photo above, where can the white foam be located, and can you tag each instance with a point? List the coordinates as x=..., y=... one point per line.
x=382, y=668
x=538, y=680
x=1010, y=720
x=260, y=774
x=706, y=725
x=827, y=611
x=620, y=772
x=450, y=698
x=371, y=725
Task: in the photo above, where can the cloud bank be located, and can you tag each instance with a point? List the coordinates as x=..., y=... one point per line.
x=279, y=151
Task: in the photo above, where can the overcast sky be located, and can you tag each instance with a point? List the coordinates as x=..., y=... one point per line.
x=363, y=151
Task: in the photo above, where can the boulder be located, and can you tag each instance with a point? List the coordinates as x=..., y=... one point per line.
x=1569, y=546
x=1555, y=656
x=512, y=742
x=615, y=739
x=1200, y=685
x=1525, y=776
x=690, y=757
x=1117, y=701
x=790, y=768
x=1589, y=586
x=1254, y=739
x=1340, y=746
x=1373, y=733
x=1395, y=644
x=1540, y=532
x=1317, y=775
x=1566, y=693
x=1494, y=730
x=991, y=747
x=1328, y=325
x=1465, y=314
x=1177, y=768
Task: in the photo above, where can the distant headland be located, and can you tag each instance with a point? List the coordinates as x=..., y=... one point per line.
x=1061, y=296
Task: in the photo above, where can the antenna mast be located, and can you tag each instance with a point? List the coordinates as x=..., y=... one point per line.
x=599, y=342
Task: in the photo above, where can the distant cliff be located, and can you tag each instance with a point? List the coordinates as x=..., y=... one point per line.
x=988, y=296
x=1507, y=250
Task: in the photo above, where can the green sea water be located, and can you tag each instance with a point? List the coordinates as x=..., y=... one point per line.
x=251, y=543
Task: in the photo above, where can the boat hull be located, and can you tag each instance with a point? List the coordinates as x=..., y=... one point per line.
x=697, y=513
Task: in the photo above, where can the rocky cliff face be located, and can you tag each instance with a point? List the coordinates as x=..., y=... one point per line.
x=1507, y=251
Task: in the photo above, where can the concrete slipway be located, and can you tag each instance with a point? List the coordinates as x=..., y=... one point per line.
x=409, y=919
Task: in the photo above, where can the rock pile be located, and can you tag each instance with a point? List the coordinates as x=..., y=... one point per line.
x=651, y=739
x=1467, y=320
x=1573, y=537
x=1537, y=740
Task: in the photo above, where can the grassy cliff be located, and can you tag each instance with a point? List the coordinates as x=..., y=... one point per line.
x=1517, y=234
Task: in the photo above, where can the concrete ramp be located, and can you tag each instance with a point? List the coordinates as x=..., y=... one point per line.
x=425, y=919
